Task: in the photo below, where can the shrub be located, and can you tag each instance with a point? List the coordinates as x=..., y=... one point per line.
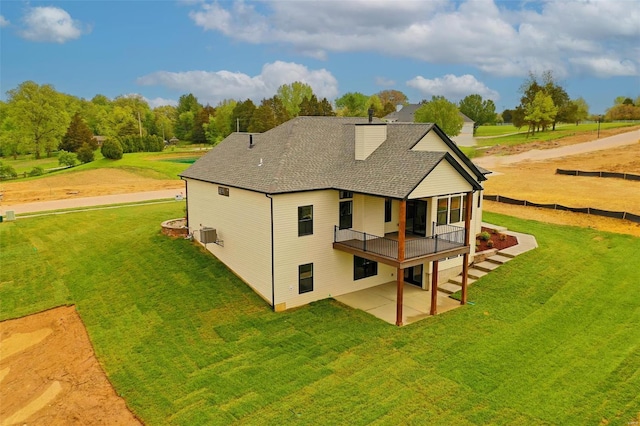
x=36, y=171
x=503, y=237
x=7, y=171
x=111, y=149
x=85, y=154
x=485, y=236
x=490, y=244
x=67, y=158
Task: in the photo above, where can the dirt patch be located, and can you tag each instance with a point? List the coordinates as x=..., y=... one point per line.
x=567, y=140
x=538, y=182
x=49, y=374
x=88, y=183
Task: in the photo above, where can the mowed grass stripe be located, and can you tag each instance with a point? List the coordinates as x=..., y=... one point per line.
x=553, y=336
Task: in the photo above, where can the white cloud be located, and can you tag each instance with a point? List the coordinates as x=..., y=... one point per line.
x=4, y=22
x=500, y=38
x=452, y=87
x=50, y=24
x=214, y=86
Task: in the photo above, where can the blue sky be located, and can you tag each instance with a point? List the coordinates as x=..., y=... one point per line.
x=243, y=49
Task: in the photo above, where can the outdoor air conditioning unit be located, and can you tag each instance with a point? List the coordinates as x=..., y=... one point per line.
x=208, y=235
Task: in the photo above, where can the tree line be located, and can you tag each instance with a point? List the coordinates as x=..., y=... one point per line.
x=37, y=119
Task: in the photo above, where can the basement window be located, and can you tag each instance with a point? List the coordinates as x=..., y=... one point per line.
x=305, y=278
x=363, y=268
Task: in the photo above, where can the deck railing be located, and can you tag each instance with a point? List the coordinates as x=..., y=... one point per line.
x=446, y=237
x=366, y=242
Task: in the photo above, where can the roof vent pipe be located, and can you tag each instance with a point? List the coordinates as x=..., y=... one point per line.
x=250, y=141
x=370, y=115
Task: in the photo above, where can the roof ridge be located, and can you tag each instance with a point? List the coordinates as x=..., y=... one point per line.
x=285, y=154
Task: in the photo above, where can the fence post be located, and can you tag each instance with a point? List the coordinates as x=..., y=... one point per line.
x=365, y=242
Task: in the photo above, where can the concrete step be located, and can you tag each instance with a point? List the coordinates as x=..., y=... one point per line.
x=476, y=274
x=458, y=280
x=499, y=259
x=486, y=266
x=505, y=254
x=449, y=288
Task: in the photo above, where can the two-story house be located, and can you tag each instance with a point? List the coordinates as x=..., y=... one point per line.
x=322, y=206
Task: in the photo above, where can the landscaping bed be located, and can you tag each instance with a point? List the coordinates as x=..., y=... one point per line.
x=489, y=239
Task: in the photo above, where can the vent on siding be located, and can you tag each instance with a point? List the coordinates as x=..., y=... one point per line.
x=208, y=235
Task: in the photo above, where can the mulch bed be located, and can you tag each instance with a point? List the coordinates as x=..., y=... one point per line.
x=496, y=240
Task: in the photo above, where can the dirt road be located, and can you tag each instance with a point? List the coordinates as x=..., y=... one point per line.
x=610, y=142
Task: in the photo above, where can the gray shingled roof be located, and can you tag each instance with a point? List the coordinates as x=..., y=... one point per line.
x=310, y=153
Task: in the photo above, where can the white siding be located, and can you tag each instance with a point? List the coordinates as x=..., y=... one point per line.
x=368, y=214
x=368, y=139
x=243, y=222
x=332, y=269
x=395, y=218
x=432, y=142
x=444, y=179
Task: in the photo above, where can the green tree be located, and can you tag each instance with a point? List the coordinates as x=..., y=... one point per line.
x=68, y=159
x=202, y=118
x=441, y=112
x=111, y=149
x=7, y=171
x=292, y=95
x=263, y=119
x=352, y=104
x=325, y=109
x=541, y=112
x=78, y=134
x=165, y=119
x=86, y=154
x=220, y=126
x=39, y=117
x=375, y=103
x=242, y=113
x=582, y=110
x=187, y=110
x=479, y=110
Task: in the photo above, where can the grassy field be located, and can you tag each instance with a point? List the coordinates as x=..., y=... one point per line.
x=166, y=164
x=552, y=338
x=497, y=131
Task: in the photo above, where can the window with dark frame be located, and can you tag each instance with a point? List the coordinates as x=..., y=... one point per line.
x=346, y=214
x=223, y=191
x=387, y=210
x=305, y=278
x=363, y=268
x=305, y=220
x=454, y=210
x=443, y=207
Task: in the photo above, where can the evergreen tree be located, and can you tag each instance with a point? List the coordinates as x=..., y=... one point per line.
x=77, y=135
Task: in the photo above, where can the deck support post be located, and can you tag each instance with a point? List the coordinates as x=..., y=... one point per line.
x=467, y=239
x=434, y=288
x=400, y=272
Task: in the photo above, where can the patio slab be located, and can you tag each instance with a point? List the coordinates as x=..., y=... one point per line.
x=380, y=301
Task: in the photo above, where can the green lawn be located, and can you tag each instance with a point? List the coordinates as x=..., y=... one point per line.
x=161, y=165
x=553, y=336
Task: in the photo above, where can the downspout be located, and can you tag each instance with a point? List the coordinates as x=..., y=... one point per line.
x=186, y=212
x=273, y=278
